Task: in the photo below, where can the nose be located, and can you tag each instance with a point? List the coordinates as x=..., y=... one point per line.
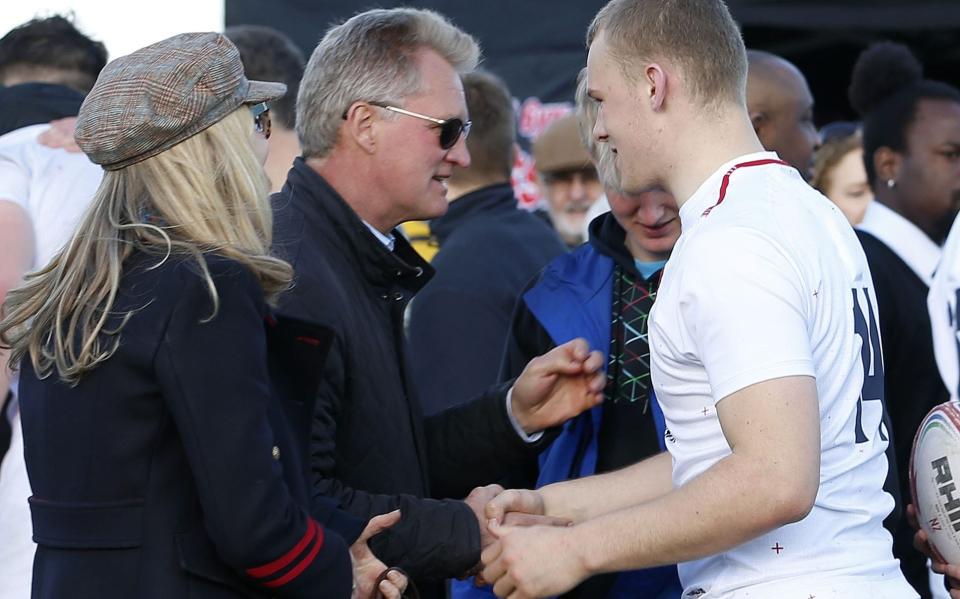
x=600, y=127
x=650, y=211
x=578, y=188
x=815, y=140
x=459, y=154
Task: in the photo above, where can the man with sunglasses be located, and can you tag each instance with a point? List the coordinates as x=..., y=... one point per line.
x=382, y=121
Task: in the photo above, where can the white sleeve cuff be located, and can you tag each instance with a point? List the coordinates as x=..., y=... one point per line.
x=516, y=425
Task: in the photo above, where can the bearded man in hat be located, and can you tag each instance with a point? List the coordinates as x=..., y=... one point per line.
x=567, y=178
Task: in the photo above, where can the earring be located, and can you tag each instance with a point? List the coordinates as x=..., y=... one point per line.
x=891, y=183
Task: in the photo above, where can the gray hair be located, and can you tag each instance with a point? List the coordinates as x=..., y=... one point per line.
x=370, y=57
x=600, y=153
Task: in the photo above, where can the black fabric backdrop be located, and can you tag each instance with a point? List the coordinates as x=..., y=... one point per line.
x=537, y=45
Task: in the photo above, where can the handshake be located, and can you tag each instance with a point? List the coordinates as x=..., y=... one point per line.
x=552, y=388
x=523, y=553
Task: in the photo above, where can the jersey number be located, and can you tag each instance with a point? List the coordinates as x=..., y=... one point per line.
x=865, y=326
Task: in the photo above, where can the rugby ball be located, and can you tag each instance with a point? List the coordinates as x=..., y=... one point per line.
x=935, y=479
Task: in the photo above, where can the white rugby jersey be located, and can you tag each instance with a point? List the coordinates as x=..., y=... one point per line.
x=768, y=280
x=54, y=187
x=942, y=302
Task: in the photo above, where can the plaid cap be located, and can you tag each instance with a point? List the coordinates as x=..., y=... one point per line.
x=559, y=147
x=151, y=100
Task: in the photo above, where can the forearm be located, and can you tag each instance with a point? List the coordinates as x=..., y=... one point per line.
x=587, y=498
x=473, y=444
x=709, y=515
x=433, y=539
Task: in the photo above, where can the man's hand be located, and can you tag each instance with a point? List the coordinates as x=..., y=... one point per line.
x=367, y=568
x=477, y=500
x=514, y=501
x=557, y=386
x=60, y=135
x=922, y=544
x=526, y=563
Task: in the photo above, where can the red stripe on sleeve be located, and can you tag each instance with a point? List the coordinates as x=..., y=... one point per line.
x=275, y=566
x=296, y=571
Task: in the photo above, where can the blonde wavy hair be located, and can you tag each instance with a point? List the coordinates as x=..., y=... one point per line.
x=207, y=194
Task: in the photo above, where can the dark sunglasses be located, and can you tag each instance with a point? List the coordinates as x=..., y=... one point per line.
x=261, y=118
x=450, y=129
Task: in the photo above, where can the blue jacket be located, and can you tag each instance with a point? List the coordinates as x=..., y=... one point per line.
x=572, y=299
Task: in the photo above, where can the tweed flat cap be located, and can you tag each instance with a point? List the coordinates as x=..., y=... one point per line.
x=151, y=100
x=559, y=147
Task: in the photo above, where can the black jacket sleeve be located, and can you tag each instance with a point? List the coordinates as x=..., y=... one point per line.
x=435, y=539
x=475, y=443
x=212, y=370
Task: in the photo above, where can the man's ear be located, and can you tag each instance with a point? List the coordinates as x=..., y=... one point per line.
x=361, y=125
x=655, y=79
x=886, y=164
x=758, y=119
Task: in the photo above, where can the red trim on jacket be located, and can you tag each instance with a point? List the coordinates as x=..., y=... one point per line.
x=299, y=568
x=726, y=178
x=313, y=530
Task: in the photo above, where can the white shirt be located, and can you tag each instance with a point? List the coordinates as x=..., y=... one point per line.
x=942, y=303
x=54, y=187
x=762, y=286
x=387, y=240
x=904, y=238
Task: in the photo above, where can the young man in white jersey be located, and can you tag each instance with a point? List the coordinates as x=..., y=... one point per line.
x=943, y=301
x=764, y=348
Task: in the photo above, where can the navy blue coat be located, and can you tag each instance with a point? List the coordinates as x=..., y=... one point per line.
x=371, y=447
x=169, y=470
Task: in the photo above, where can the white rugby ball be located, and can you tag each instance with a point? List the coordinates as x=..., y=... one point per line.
x=935, y=479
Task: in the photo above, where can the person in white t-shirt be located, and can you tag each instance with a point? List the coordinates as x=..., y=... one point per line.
x=764, y=347
x=46, y=68
x=943, y=302
x=48, y=189
x=944, y=307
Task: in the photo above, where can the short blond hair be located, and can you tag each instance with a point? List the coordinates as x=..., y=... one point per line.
x=587, y=112
x=700, y=36
x=370, y=57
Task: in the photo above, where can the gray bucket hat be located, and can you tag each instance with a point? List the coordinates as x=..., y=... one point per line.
x=151, y=100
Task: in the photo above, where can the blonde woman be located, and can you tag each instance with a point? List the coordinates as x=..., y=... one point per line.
x=838, y=173
x=158, y=452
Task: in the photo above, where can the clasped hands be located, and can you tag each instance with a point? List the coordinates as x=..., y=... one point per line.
x=526, y=553
x=551, y=389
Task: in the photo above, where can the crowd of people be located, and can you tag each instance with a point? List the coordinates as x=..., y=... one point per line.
x=233, y=366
